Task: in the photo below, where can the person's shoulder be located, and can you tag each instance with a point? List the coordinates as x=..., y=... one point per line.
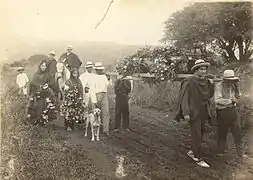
x=82, y=75
x=191, y=78
x=74, y=54
x=218, y=84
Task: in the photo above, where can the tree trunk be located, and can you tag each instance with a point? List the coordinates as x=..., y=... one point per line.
x=231, y=53
x=239, y=41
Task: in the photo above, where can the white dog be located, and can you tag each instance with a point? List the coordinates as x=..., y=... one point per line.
x=94, y=120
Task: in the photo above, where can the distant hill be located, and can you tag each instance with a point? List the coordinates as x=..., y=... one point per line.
x=106, y=52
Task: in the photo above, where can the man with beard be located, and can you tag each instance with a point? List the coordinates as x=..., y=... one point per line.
x=70, y=59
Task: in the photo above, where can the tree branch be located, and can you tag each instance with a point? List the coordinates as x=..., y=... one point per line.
x=104, y=14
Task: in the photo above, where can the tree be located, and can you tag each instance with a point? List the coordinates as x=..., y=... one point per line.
x=226, y=25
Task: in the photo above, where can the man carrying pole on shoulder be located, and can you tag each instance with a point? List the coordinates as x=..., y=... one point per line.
x=194, y=107
x=227, y=95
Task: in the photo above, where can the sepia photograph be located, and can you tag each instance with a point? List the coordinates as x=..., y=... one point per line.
x=126, y=89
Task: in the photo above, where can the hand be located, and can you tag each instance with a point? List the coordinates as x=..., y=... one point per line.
x=187, y=117
x=234, y=100
x=66, y=87
x=211, y=81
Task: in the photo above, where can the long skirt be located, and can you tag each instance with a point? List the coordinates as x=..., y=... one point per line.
x=72, y=109
x=41, y=108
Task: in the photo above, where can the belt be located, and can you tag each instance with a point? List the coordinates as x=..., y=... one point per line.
x=222, y=108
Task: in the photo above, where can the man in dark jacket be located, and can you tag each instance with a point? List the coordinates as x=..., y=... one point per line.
x=122, y=88
x=70, y=59
x=195, y=95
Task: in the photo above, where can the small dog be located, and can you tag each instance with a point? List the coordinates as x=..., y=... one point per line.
x=95, y=121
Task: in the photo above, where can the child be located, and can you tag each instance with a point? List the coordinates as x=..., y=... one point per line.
x=22, y=81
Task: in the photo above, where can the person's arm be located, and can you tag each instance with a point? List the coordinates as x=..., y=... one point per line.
x=237, y=93
x=106, y=81
x=185, y=104
x=81, y=88
x=93, y=97
x=218, y=96
x=127, y=85
x=211, y=87
x=27, y=79
x=17, y=80
x=116, y=86
x=80, y=62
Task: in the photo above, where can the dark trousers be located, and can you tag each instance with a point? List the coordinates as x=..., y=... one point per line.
x=197, y=131
x=228, y=120
x=121, y=110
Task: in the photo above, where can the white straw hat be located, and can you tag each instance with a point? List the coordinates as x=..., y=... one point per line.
x=20, y=68
x=230, y=75
x=200, y=63
x=70, y=47
x=99, y=65
x=89, y=64
x=52, y=52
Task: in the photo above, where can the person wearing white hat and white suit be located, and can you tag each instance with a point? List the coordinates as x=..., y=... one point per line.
x=101, y=86
x=227, y=94
x=88, y=78
x=70, y=59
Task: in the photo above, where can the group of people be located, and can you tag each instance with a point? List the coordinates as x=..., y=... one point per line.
x=200, y=101
x=81, y=93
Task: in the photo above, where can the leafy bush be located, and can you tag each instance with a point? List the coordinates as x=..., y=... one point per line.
x=158, y=61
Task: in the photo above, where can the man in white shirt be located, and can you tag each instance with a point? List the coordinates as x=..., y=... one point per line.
x=22, y=81
x=101, y=86
x=88, y=78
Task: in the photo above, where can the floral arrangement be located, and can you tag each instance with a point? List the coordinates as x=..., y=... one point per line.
x=72, y=107
x=160, y=61
x=44, y=109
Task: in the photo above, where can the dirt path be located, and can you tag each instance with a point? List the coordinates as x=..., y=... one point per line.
x=154, y=149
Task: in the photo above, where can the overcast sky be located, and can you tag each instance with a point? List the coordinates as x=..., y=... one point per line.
x=128, y=21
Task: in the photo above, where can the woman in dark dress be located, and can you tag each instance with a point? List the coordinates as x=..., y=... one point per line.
x=72, y=107
x=41, y=106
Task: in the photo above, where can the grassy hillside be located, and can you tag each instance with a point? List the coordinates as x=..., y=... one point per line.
x=106, y=52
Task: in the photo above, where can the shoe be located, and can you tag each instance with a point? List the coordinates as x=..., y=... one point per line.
x=191, y=155
x=203, y=164
x=69, y=129
x=116, y=130
x=244, y=156
x=220, y=154
x=127, y=130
